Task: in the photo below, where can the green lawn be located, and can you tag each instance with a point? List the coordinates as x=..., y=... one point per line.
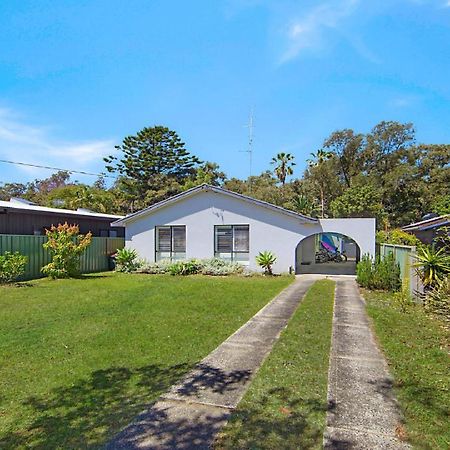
x=79, y=358
x=417, y=351
x=286, y=404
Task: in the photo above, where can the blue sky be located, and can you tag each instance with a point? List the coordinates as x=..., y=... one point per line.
x=77, y=76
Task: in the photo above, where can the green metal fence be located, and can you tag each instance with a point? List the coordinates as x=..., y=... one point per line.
x=404, y=256
x=94, y=259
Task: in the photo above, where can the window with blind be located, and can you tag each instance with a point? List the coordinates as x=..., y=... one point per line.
x=231, y=242
x=171, y=242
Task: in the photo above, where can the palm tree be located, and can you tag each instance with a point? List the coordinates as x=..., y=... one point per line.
x=319, y=158
x=283, y=168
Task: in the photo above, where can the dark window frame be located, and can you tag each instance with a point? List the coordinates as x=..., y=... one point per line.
x=172, y=246
x=233, y=252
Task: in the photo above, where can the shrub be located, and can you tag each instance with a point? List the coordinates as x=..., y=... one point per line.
x=397, y=237
x=126, y=260
x=403, y=299
x=190, y=267
x=433, y=265
x=381, y=274
x=214, y=267
x=387, y=274
x=442, y=238
x=219, y=267
x=12, y=266
x=266, y=260
x=159, y=267
x=66, y=245
x=364, y=271
x=437, y=300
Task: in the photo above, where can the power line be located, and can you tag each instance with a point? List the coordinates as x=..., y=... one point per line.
x=57, y=168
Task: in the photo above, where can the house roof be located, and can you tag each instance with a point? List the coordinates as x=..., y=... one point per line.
x=217, y=190
x=428, y=224
x=21, y=206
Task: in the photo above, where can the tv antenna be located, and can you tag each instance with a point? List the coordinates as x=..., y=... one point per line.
x=250, y=147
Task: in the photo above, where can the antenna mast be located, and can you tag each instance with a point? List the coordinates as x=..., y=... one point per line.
x=250, y=147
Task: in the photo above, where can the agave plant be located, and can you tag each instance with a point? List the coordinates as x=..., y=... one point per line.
x=303, y=205
x=126, y=260
x=432, y=265
x=266, y=260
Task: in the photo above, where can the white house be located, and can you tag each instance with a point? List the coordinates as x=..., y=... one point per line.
x=208, y=221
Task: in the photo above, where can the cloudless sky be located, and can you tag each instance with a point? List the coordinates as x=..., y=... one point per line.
x=76, y=76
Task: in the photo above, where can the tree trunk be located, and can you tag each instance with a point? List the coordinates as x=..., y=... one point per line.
x=322, y=202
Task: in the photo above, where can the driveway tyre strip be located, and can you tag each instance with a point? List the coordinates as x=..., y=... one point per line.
x=363, y=412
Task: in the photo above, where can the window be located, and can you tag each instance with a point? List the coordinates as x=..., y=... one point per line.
x=108, y=233
x=231, y=242
x=171, y=242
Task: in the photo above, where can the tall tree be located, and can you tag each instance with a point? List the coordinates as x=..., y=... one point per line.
x=360, y=201
x=8, y=190
x=387, y=146
x=263, y=187
x=208, y=173
x=317, y=167
x=284, y=163
x=154, y=152
x=348, y=148
x=37, y=190
x=83, y=196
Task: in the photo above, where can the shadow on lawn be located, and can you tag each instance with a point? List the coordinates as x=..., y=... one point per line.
x=90, y=411
x=91, y=276
x=279, y=420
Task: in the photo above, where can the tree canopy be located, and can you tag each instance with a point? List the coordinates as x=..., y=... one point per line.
x=383, y=174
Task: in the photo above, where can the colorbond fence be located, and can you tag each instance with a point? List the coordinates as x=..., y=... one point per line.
x=94, y=259
x=404, y=256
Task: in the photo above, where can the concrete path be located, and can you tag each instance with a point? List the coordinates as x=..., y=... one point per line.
x=191, y=414
x=363, y=413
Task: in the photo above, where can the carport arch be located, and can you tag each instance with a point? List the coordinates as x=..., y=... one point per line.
x=321, y=244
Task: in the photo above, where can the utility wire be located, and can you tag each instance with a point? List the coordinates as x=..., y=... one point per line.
x=57, y=168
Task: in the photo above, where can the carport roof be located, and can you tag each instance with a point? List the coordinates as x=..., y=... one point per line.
x=217, y=190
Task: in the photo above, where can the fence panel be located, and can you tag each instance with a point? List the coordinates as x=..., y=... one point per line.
x=405, y=256
x=94, y=259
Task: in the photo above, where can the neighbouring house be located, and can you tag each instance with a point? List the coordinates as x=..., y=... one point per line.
x=426, y=230
x=208, y=221
x=19, y=216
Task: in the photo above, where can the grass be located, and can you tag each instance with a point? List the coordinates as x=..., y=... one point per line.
x=416, y=347
x=80, y=358
x=286, y=404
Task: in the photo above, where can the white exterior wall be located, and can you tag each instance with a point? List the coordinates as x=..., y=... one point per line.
x=362, y=231
x=269, y=230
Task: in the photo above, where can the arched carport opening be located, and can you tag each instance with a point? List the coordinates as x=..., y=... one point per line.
x=327, y=253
